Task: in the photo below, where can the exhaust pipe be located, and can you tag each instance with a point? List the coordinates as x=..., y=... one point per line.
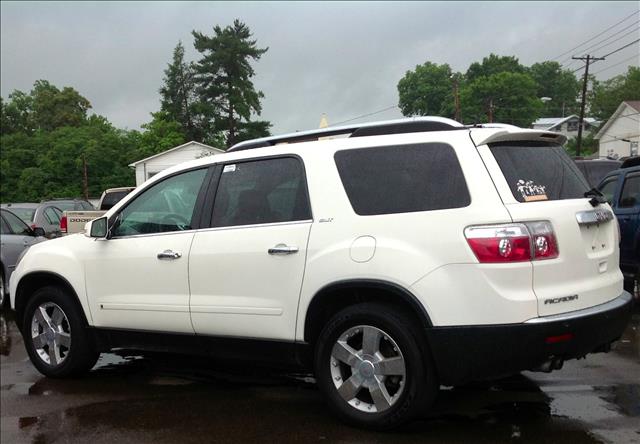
x=553, y=363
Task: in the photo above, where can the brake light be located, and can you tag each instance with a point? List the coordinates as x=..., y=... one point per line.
x=63, y=224
x=512, y=242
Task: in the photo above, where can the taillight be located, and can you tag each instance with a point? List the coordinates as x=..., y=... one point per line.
x=543, y=240
x=512, y=242
x=63, y=224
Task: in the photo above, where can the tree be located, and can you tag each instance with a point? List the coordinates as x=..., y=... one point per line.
x=607, y=96
x=494, y=64
x=179, y=98
x=160, y=134
x=504, y=97
x=561, y=86
x=427, y=91
x=17, y=114
x=53, y=108
x=223, y=75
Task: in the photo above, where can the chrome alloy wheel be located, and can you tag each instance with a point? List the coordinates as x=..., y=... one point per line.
x=368, y=369
x=51, y=333
x=1, y=290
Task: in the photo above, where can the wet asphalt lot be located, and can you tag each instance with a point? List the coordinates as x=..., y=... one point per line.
x=170, y=399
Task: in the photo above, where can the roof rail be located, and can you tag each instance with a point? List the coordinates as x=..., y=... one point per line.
x=398, y=126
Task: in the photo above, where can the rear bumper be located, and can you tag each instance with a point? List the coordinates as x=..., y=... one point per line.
x=469, y=353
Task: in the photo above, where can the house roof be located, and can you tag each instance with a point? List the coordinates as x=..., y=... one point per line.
x=184, y=145
x=553, y=122
x=633, y=104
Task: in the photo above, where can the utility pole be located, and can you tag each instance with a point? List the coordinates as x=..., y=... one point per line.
x=491, y=110
x=85, y=182
x=587, y=60
x=456, y=98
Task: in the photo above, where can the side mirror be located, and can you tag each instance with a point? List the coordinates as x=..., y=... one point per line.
x=97, y=228
x=38, y=232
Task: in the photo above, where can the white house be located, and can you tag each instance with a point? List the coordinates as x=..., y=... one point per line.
x=619, y=137
x=147, y=168
x=567, y=126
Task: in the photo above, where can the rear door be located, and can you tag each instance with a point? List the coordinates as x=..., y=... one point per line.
x=539, y=182
x=628, y=212
x=245, y=272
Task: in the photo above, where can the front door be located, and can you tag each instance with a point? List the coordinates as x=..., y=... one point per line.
x=138, y=279
x=246, y=270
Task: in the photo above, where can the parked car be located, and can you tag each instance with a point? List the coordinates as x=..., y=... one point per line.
x=15, y=238
x=74, y=221
x=411, y=254
x=42, y=215
x=71, y=204
x=595, y=169
x=621, y=188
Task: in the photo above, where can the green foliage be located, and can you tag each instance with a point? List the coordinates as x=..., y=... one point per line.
x=588, y=147
x=561, y=86
x=179, y=100
x=427, y=91
x=223, y=76
x=507, y=97
x=607, y=96
x=494, y=64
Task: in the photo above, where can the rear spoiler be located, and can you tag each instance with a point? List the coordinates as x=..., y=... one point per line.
x=480, y=137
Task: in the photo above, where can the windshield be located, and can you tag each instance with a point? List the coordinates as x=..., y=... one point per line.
x=538, y=171
x=26, y=214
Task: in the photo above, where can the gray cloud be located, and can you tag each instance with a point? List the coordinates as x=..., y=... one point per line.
x=343, y=59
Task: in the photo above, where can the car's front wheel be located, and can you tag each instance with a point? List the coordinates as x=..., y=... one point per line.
x=373, y=366
x=55, y=336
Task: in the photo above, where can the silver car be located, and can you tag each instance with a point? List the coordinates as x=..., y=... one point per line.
x=44, y=215
x=15, y=237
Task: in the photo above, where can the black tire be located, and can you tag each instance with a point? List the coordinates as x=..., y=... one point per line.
x=81, y=355
x=420, y=384
x=4, y=295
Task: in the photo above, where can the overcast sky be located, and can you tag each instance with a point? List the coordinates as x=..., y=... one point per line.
x=342, y=59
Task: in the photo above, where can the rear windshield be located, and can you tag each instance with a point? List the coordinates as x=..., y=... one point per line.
x=538, y=171
x=110, y=199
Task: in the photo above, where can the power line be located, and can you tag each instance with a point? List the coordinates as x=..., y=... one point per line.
x=607, y=38
x=365, y=115
x=606, y=55
x=621, y=48
x=635, y=56
x=595, y=36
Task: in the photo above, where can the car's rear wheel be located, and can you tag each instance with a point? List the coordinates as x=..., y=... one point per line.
x=373, y=367
x=55, y=336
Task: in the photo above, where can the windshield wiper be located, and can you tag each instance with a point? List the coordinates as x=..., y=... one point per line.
x=596, y=196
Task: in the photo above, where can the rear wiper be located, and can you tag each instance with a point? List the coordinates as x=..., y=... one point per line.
x=596, y=196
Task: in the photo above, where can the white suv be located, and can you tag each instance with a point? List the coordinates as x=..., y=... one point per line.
x=388, y=257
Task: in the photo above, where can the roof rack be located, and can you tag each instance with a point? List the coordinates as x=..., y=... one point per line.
x=398, y=126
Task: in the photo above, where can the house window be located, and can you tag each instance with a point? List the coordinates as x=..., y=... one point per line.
x=572, y=125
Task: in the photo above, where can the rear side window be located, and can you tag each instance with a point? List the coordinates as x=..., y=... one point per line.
x=402, y=178
x=261, y=192
x=608, y=188
x=630, y=191
x=538, y=171
x=110, y=199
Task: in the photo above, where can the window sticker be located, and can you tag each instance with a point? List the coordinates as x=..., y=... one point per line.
x=531, y=191
x=229, y=168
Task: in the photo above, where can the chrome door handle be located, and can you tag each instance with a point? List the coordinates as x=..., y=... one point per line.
x=283, y=249
x=168, y=254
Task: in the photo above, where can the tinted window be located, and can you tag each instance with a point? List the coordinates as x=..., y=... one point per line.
x=402, y=179
x=166, y=206
x=608, y=188
x=260, y=192
x=536, y=171
x=17, y=226
x=630, y=195
x=85, y=206
x=110, y=199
